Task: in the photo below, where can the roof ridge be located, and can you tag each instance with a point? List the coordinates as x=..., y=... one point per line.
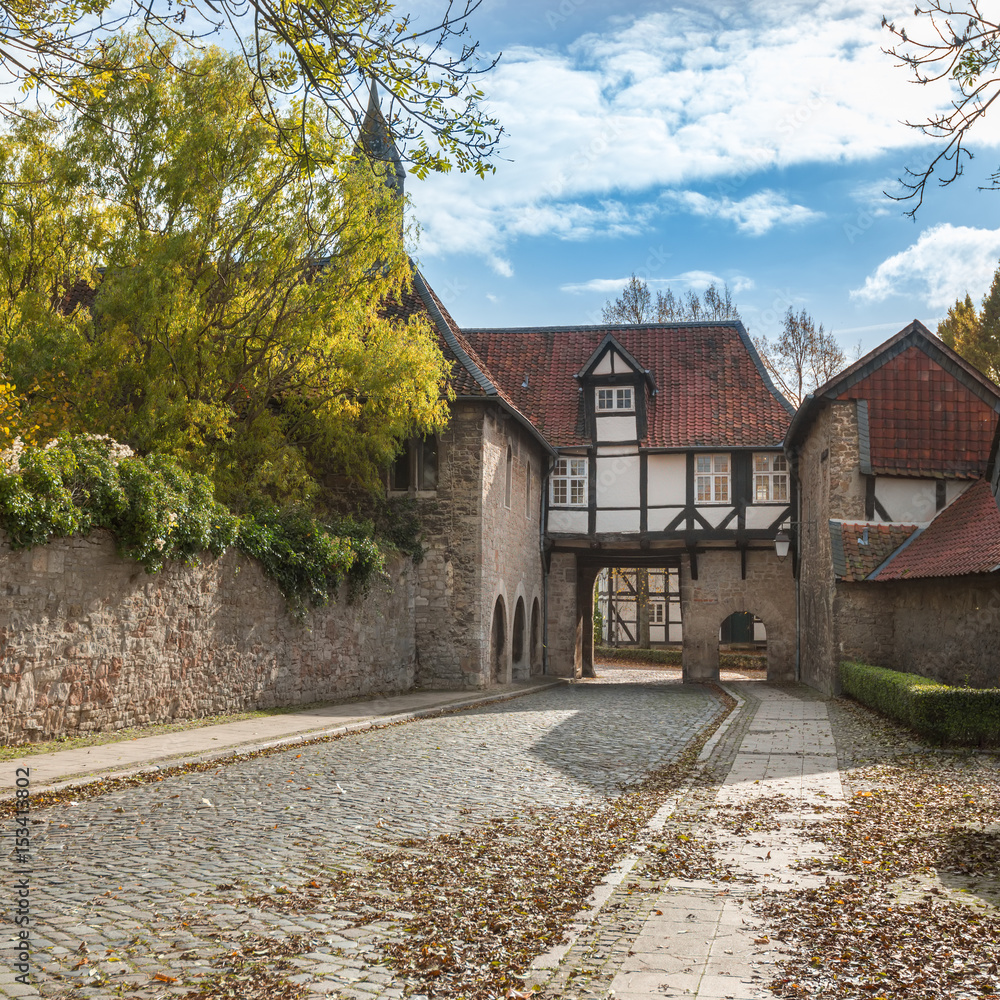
x=607, y=327
x=459, y=345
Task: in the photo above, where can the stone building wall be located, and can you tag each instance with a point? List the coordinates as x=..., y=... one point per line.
x=830, y=486
x=768, y=591
x=89, y=641
x=945, y=629
x=450, y=628
x=512, y=563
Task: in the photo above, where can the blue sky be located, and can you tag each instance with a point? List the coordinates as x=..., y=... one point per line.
x=741, y=142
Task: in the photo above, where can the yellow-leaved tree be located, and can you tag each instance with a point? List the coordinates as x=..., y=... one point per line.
x=198, y=288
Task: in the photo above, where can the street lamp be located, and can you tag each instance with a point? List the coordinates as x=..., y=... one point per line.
x=782, y=542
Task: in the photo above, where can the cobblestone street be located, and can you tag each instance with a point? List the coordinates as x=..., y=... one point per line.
x=131, y=880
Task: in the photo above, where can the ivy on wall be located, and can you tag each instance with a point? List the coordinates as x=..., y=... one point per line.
x=158, y=511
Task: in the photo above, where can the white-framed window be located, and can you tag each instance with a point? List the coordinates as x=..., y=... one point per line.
x=569, y=483
x=711, y=478
x=658, y=613
x=770, y=478
x=615, y=399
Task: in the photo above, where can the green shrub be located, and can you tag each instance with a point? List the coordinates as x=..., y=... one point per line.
x=158, y=511
x=937, y=711
x=632, y=654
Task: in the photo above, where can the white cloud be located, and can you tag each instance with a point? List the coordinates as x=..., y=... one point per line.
x=696, y=281
x=946, y=262
x=669, y=100
x=754, y=215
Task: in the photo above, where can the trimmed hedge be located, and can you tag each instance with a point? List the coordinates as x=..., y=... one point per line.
x=937, y=711
x=672, y=657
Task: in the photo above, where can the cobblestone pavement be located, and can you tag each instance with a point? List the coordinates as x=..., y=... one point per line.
x=131, y=881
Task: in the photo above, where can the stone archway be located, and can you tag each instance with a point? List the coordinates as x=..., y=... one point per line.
x=498, y=643
x=519, y=643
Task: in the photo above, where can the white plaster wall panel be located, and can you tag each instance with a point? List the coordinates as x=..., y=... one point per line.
x=616, y=429
x=659, y=519
x=674, y=633
x=657, y=633
x=954, y=488
x=759, y=632
x=618, y=481
x=762, y=517
x=566, y=521
x=604, y=365
x=604, y=450
x=715, y=515
x=617, y=520
x=906, y=499
x=667, y=482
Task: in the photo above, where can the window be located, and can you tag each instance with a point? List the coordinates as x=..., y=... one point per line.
x=527, y=490
x=711, y=480
x=416, y=467
x=770, y=478
x=657, y=613
x=569, y=482
x=615, y=399
x=508, y=482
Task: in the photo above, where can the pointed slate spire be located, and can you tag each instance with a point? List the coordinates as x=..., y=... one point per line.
x=378, y=143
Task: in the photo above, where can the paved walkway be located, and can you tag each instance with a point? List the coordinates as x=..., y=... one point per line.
x=698, y=938
x=64, y=767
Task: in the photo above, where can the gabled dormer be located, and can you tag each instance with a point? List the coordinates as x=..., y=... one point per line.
x=616, y=390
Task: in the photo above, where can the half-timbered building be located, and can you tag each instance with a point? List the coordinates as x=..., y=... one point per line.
x=655, y=446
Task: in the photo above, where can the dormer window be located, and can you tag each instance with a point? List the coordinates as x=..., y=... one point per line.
x=620, y=399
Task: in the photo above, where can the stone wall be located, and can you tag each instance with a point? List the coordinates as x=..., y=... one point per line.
x=768, y=591
x=450, y=628
x=89, y=641
x=512, y=562
x=830, y=486
x=945, y=629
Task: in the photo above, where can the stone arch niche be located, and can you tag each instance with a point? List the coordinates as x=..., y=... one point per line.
x=519, y=643
x=536, y=639
x=498, y=643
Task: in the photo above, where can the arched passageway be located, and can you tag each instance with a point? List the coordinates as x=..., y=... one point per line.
x=519, y=643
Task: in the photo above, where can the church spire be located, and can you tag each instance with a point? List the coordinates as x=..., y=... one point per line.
x=379, y=145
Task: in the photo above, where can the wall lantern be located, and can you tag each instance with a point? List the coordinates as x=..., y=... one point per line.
x=782, y=542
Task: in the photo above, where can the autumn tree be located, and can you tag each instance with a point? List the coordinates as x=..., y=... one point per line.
x=976, y=334
x=637, y=305
x=958, y=52
x=319, y=57
x=801, y=357
x=231, y=312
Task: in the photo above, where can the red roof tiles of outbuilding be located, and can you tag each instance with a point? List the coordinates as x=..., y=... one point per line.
x=963, y=538
x=711, y=390
x=866, y=546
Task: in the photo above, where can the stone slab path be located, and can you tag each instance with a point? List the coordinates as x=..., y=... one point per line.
x=698, y=938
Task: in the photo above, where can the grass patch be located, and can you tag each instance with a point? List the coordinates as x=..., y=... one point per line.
x=12, y=751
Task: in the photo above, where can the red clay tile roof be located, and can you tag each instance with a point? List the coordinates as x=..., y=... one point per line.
x=711, y=391
x=853, y=557
x=963, y=538
x=469, y=375
x=930, y=413
x=924, y=421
